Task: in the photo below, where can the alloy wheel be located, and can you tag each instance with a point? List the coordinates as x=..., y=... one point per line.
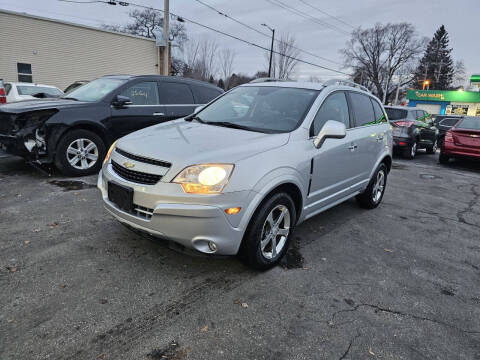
x=82, y=154
x=275, y=232
x=378, y=187
x=413, y=150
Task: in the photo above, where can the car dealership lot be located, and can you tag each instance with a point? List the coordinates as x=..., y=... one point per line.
x=398, y=282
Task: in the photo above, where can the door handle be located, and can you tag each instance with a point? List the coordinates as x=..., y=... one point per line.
x=158, y=114
x=352, y=147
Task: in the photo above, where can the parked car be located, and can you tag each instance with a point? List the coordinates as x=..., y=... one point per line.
x=74, y=132
x=223, y=181
x=75, y=85
x=462, y=140
x=28, y=91
x=444, y=123
x=412, y=130
x=3, y=94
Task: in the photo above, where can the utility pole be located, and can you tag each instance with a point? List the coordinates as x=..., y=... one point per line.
x=271, y=49
x=166, y=52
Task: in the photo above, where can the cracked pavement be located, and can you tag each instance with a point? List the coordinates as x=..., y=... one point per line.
x=398, y=282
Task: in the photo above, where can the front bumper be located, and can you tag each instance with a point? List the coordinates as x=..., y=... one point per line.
x=190, y=220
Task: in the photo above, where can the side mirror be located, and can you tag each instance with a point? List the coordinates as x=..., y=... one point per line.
x=121, y=101
x=333, y=130
x=197, y=109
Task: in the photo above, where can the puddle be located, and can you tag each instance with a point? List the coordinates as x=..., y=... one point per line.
x=293, y=259
x=169, y=352
x=430, y=176
x=69, y=185
x=398, y=166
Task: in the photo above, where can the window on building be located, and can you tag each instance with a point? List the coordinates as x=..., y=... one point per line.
x=24, y=72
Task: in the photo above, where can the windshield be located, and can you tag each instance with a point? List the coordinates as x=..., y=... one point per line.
x=32, y=90
x=396, y=114
x=95, y=90
x=260, y=108
x=469, y=123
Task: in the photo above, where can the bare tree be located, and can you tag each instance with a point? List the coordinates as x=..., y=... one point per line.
x=200, y=59
x=285, y=57
x=226, y=59
x=458, y=74
x=380, y=53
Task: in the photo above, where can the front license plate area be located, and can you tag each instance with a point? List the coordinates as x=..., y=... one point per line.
x=120, y=195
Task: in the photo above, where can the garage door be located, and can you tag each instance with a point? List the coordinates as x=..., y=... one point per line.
x=430, y=108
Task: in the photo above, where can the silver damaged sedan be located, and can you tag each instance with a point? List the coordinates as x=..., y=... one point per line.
x=239, y=174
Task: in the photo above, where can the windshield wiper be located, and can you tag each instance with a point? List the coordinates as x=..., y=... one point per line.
x=230, y=125
x=70, y=98
x=194, y=117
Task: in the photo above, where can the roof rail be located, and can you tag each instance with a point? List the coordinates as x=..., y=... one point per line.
x=264, y=79
x=345, y=82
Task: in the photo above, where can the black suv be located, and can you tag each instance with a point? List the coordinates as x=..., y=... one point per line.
x=74, y=131
x=413, y=129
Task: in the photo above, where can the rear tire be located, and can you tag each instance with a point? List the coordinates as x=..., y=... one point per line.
x=80, y=152
x=373, y=194
x=410, y=151
x=443, y=159
x=268, y=236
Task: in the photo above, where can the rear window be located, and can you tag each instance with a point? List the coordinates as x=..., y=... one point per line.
x=32, y=90
x=469, y=123
x=362, y=108
x=396, y=114
x=448, y=122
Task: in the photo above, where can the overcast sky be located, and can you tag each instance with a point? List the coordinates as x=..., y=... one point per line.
x=460, y=18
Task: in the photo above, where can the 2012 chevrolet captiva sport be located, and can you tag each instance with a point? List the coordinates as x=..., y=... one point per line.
x=240, y=173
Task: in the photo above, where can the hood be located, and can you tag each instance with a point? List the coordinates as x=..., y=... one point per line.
x=186, y=143
x=39, y=104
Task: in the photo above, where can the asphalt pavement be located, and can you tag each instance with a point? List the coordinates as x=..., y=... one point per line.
x=398, y=282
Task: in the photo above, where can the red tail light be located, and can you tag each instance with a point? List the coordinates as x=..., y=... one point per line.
x=402, y=143
x=3, y=96
x=404, y=123
x=448, y=137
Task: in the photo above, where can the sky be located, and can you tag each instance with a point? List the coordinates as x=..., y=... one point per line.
x=323, y=37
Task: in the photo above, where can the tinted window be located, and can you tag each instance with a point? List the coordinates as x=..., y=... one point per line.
x=268, y=109
x=377, y=110
x=175, y=93
x=144, y=93
x=204, y=94
x=396, y=114
x=335, y=107
x=448, y=122
x=470, y=123
x=362, y=109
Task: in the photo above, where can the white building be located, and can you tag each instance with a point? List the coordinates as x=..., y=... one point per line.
x=48, y=51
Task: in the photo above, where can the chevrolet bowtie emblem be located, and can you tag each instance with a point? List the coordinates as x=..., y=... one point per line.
x=128, y=164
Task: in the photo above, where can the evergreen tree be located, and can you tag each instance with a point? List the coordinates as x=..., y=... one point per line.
x=211, y=80
x=221, y=84
x=436, y=64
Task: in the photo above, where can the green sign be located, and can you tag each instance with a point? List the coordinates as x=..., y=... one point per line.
x=475, y=79
x=440, y=95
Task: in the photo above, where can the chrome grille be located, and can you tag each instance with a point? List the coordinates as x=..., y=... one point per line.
x=135, y=176
x=143, y=159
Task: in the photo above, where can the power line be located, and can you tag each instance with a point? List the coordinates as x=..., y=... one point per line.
x=327, y=14
x=265, y=34
x=306, y=16
x=182, y=18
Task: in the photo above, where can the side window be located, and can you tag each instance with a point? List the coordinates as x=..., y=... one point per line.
x=362, y=109
x=377, y=110
x=175, y=94
x=8, y=87
x=204, y=94
x=334, y=107
x=144, y=93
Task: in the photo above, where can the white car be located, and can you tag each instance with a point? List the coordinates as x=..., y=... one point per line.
x=25, y=91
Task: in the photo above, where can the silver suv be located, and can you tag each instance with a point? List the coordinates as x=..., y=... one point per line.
x=240, y=173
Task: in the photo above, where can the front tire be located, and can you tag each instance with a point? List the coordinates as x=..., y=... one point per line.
x=373, y=194
x=268, y=235
x=80, y=152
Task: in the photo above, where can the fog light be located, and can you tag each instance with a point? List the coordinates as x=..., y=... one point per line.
x=212, y=246
x=232, y=211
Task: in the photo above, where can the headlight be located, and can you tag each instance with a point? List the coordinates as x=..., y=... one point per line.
x=109, y=153
x=204, y=178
